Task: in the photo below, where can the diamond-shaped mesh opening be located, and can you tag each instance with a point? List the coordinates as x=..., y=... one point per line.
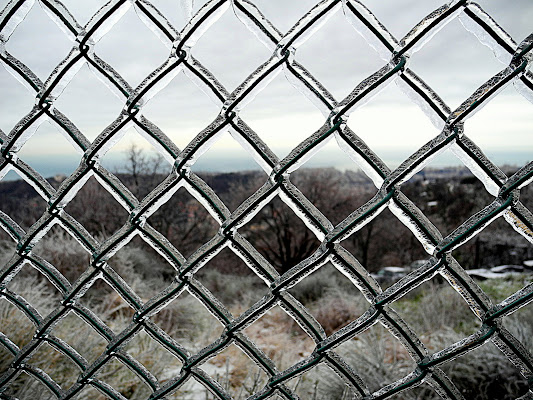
x=26, y=386
x=181, y=110
x=502, y=282
x=88, y=103
x=184, y=222
x=282, y=15
x=331, y=298
x=141, y=51
x=231, y=281
x=348, y=55
x=496, y=246
x=234, y=187
x=444, y=71
x=235, y=372
x=499, y=245
x=44, y=297
x=520, y=324
x=447, y=195
x=510, y=16
x=64, y=252
x=89, y=392
x=336, y=194
x=58, y=366
x=280, y=338
x=330, y=156
x=225, y=155
x=16, y=326
x=191, y=389
x=226, y=31
x=31, y=152
x=15, y=103
x=335, y=312
x=6, y=356
x=107, y=215
x=188, y=322
x=321, y=382
x=497, y=128
x=138, y=165
x=400, y=17
x=142, y=268
x=385, y=242
x=145, y=247
x=154, y=357
x=387, y=136
x=80, y=336
x=83, y=11
x=173, y=11
x=107, y=304
x=21, y=202
x=326, y=281
x=277, y=221
x=477, y=377
x=377, y=357
x=423, y=391
x=438, y=314
x=42, y=52
x=281, y=116
x=116, y=374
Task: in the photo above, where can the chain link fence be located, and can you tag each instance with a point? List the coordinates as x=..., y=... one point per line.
x=505, y=190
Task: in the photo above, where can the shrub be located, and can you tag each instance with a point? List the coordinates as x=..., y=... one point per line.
x=334, y=312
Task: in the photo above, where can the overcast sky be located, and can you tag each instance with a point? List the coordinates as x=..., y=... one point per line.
x=454, y=63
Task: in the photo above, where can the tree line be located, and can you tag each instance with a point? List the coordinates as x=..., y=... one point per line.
x=276, y=231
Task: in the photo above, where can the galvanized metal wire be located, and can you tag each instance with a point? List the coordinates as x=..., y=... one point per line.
x=506, y=204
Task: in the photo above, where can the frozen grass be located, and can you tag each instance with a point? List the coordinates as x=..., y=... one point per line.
x=435, y=311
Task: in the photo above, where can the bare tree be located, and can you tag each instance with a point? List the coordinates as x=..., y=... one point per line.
x=143, y=169
x=185, y=222
x=281, y=236
x=96, y=209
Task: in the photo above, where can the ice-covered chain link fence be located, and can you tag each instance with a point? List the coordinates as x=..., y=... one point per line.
x=506, y=192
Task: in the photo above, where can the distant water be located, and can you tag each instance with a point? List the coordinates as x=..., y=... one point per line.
x=52, y=165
